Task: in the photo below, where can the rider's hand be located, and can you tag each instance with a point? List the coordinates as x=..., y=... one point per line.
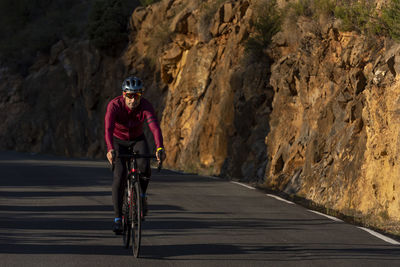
x=111, y=156
x=161, y=155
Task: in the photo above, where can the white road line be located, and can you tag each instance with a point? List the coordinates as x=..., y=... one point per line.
x=281, y=199
x=327, y=216
x=245, y=185
x=380, y=236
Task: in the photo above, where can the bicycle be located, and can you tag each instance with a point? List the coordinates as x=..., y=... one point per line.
x=132, y=213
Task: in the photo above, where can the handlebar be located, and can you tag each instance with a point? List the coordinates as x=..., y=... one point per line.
x=138, y=156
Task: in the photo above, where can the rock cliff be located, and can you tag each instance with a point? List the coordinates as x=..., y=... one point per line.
x=59, y=107
x=215, y=108
x=317, y=117
x=334, y=126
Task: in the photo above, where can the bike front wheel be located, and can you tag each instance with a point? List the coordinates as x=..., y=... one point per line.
x=126, y=219
x=137, y=218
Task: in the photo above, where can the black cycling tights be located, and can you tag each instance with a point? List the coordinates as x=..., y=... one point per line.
x=139, y=145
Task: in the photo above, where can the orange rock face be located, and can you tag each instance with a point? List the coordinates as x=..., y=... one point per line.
x=208, y=95
x=334, y=126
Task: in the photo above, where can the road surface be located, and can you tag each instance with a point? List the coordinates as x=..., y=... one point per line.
x=57, y=212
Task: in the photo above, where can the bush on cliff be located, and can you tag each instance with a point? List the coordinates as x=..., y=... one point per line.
x=313, y=8
x=107, y=25
x=360, y=16
x=267, y=23
x=364, y=18
x=391, y=19
x=32, y=26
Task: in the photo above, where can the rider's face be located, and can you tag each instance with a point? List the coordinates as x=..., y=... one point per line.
x=132, y=100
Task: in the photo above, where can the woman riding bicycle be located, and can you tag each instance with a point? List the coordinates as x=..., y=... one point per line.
x=124, y=121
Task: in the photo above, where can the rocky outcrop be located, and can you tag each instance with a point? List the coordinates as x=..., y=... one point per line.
x=59, y=107
x=215, y=108
x=334, y=126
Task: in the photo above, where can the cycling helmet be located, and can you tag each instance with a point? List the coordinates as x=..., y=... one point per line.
x=132, y=85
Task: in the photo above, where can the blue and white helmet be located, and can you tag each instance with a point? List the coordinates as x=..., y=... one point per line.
x=132, y=85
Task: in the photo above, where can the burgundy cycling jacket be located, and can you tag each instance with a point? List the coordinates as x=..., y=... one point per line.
x=127, y=124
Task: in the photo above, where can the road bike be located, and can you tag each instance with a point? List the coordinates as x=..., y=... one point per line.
x=132, y=208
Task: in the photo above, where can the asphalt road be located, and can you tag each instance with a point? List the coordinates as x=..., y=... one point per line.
x=57, y=212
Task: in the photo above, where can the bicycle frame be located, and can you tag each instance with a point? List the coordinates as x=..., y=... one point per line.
x=133, y=177
x=133, y=209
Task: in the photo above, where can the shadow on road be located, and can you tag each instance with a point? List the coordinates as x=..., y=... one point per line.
x=64, y=249
x=232, y=252
x=64, y=207
x=273, y=252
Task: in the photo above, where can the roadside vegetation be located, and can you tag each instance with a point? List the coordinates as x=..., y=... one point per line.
x=361, y=16
x=267, y=22
x=107, y=23
x=31, y=27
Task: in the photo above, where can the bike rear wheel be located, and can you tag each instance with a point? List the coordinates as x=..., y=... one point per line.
x=137, y=218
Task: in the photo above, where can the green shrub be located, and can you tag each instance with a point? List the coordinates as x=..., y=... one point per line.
x=267, y=23
x=391, y=19
x=312, y=8
x=32, y=26
x=107, y=25
x=301, y=8
x=355, y=15
x=359, y=16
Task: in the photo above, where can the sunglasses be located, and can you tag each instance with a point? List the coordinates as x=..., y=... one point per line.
x=132, y=95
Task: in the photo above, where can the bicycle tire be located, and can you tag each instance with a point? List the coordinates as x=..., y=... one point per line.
x=137, y=218
x=126, y=219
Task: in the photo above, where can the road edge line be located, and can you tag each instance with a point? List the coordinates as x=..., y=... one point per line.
x=380, y=236
x=325, y=215
x=281, y=199
x=244, y=185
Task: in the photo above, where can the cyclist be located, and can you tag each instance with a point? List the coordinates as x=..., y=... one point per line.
x=124, y=121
